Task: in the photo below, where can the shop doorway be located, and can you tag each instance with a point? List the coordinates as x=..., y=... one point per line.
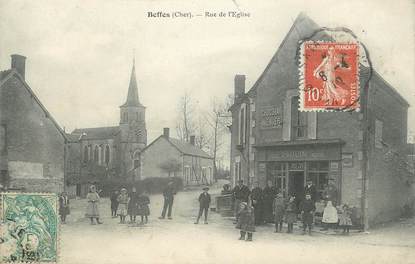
x=296, y=184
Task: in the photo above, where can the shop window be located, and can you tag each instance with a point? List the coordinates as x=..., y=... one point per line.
x=298, y=120
x=318, y=172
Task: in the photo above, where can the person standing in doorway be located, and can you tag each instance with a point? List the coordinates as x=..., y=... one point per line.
x=204, y=203
x=269, y=194
x=240, y=194
x=257, y=199
x=311, y=189
x=168, y=194
x=92, y=207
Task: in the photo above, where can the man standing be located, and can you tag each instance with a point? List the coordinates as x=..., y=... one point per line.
x=269, y=194
x=307, y=212
x=168, y=194
x=256, y=198
x=204, y=203
x=310, y=188
x=240, y=193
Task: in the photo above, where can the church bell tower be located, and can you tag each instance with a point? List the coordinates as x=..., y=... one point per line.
x=132, y=118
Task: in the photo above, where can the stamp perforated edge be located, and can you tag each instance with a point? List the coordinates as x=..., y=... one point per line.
x=301, y=79
x=58, y=229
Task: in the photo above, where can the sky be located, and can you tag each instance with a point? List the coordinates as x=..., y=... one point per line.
x=80, y=53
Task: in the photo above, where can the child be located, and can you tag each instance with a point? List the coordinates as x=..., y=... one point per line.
x=143, y=203
x=63, y=207
x=345, y=220
x=92, y=208
x=123, y=200
x=330, y=217
x=307, y=212
x=204, y=203
x=291, y=213
x=133, y=205
x=246, y=221
x=279, y=208
x=114, y=203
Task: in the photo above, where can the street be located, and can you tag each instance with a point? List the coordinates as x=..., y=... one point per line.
x=181, y=241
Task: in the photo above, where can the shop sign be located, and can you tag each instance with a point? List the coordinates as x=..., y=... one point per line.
x=270, y=117
x=347, y=160
x=323, y=153
x=296, y=166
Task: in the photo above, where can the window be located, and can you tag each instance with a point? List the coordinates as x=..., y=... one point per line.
x=242, y=124
x=107, y=154
x=318, y=172
x=125, y=117
x=136, y=159
x=86, y=154
x=101, y=154
x=298, y=120
x=378, y=133
x=186, y=174
x=137, y=116
x=96, y=154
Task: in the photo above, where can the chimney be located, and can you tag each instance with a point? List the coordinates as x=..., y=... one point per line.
x=166, y=132
x=18, y=63
x=239, y=86
x=192, y=140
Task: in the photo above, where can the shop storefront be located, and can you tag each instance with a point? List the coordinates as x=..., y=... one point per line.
x=290, y=165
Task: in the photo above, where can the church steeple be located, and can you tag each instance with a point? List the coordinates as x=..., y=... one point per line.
x=132, y=97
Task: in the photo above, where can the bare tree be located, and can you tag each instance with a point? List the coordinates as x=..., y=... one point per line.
x=218, y=120
x=185, y=124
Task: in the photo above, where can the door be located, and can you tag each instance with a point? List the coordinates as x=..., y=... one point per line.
x=296, y=183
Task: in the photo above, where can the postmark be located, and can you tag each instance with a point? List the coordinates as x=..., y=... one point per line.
x=330, y=76
x=29, y=227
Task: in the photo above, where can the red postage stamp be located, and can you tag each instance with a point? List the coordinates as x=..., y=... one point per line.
x=329, y=78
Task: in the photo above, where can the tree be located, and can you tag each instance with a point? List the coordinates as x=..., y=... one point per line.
x=218, y=119
x=170, y=166
x=185, y=122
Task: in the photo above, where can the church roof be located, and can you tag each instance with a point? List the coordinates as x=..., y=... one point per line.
x=132, y=96
x=97, y=132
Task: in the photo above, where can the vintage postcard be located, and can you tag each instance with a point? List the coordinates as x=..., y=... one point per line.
x=221, y=131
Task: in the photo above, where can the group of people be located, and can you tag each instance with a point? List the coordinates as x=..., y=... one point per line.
x=258, y=206
x=132, y=204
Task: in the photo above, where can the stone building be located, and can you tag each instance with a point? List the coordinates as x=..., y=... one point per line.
x=171, y=157
x=272, y=140
x=101, y=153
x=32, y=144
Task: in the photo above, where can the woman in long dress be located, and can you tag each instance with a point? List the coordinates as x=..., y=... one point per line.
x=92, y=207
x=327, y=72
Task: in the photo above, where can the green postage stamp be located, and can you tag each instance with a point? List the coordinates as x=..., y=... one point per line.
x=29, y=227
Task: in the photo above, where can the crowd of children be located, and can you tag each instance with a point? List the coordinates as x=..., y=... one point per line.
x=283, y=210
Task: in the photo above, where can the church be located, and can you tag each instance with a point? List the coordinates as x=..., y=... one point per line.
x=104, y=154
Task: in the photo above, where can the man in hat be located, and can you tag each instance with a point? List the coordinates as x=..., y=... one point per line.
x=241, y=193
x=204, y=203
x=168, y=194
x=311, y=189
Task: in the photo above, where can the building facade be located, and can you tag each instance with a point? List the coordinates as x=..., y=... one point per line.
x=102, y=153
x=273, y=141
x=32, y=145
x=171, y=157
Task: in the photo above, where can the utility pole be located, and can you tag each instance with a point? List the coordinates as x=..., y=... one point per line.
x=365, y=154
